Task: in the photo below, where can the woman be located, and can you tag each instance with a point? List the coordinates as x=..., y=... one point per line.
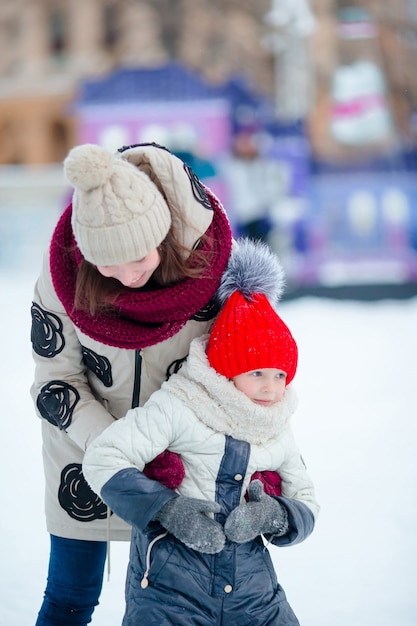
x=127, y=283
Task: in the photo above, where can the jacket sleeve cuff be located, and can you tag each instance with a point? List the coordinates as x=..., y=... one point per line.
x=134, y=497
x=300, y=520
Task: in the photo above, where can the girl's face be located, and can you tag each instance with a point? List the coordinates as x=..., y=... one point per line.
x=264, y=386
x=135, y=274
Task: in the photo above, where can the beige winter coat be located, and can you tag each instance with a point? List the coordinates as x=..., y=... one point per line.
x=86, y=385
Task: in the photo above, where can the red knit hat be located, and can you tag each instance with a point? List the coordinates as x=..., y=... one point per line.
x=248, y=335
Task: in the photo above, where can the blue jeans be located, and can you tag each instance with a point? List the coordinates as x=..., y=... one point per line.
x=75, y=579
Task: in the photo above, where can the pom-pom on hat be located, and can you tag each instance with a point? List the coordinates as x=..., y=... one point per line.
x=248, y=334
x=118, y=213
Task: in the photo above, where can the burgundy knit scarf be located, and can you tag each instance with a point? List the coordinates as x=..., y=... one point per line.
x=140, y=318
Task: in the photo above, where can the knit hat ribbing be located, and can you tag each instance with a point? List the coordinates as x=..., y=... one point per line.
x=118, y=213
x=248, y=334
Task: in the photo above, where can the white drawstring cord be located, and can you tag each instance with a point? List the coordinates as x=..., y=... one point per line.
x=108, y=543
x=144, y=582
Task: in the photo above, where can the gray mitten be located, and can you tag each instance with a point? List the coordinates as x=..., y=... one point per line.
x=186, y=519
x=261, y=515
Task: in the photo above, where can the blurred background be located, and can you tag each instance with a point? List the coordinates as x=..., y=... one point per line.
x=302, y=118
x=300, y=115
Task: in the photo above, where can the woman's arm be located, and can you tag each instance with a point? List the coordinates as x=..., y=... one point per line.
x=113, y=464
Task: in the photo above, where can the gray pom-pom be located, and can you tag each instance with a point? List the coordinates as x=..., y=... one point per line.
x=253, y=268
x=88, y=166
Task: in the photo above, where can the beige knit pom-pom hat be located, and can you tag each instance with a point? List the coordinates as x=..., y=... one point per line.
x=118, y=213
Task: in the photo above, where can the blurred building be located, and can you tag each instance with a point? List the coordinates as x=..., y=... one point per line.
x=306, y=122
x=365, y=101
x=48, y=47
x=345, y=66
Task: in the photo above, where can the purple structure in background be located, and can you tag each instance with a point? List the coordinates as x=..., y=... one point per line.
x=330, y=228
x=199, y=134
x=169, y=105
x=358, y=229
x=206, y=123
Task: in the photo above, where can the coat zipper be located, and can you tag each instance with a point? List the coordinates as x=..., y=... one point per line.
x=137, y=379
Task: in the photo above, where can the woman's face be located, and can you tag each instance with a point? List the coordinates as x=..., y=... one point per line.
x=134, y=274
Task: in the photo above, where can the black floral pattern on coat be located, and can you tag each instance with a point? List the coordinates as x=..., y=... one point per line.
x=99, y=365
x=197, y=188
x=76, y=496
x=175, y=366
x=46, y=334
x=56, y=402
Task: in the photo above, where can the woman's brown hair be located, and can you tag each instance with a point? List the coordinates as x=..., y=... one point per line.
x=95, y=293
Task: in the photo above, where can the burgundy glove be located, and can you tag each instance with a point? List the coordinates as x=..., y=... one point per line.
x=167, y=468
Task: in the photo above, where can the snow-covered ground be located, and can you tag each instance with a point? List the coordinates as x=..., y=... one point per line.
x=357, y=429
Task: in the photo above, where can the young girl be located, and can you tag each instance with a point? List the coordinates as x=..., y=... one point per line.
x=127, y=283
x=227, y=413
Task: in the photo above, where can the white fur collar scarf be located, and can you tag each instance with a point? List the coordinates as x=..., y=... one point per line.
x=222, y=407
